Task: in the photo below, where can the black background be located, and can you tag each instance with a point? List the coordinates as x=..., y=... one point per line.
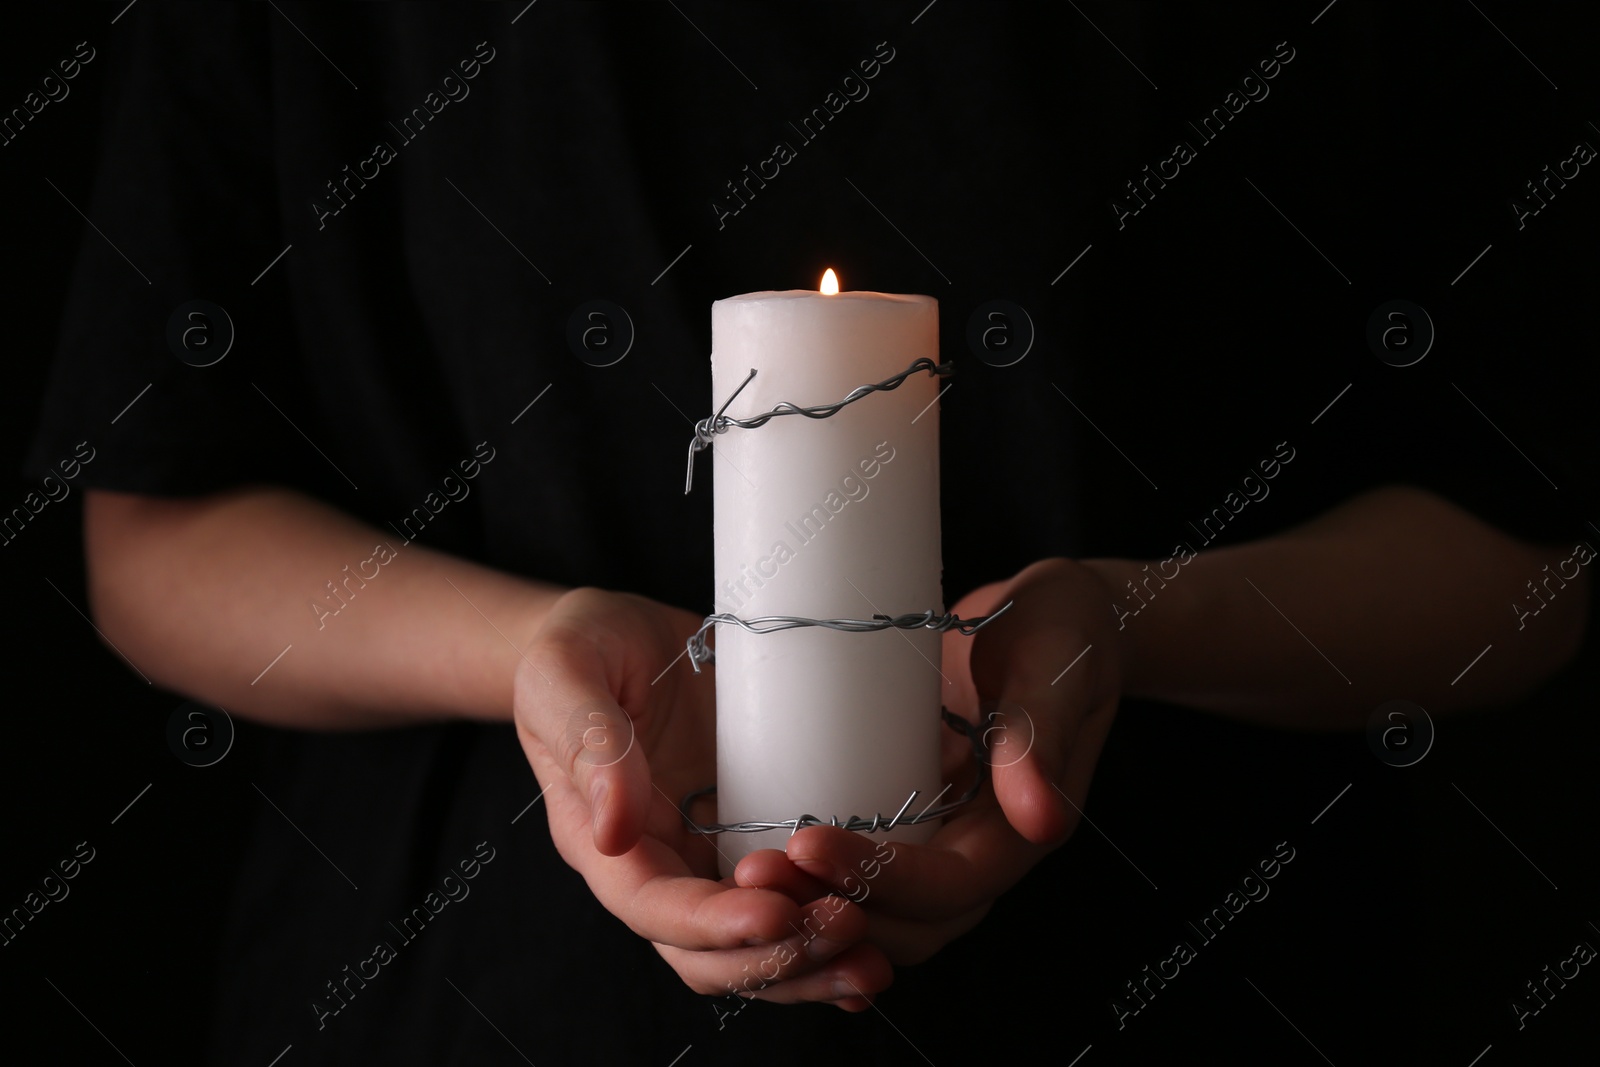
x=1406, y=924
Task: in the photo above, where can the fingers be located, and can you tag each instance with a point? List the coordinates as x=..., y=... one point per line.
x=652, y=888
x=653, y=891
x=769, y=868
x=850, y=980
x=914, y=881
x=582, y=744
x=822, y=959
x=580, y=696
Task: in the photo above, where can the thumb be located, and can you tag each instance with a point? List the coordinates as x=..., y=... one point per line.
x=1029, y=730
x=588, y=739
x=1027, y=743
x=608, y=767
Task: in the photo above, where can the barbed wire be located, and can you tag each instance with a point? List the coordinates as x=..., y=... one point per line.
x=706, y=430
x=700, y=653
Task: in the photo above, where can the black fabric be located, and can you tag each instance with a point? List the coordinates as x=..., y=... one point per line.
x=395, y=336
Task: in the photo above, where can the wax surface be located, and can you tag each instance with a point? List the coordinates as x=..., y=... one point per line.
x=826, y=518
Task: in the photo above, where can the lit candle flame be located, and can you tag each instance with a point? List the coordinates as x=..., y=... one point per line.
x=830, y=283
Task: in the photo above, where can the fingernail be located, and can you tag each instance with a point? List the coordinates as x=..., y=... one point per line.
x=820, y=869
x=597, y=799
x=843, y=987
x=824, y=948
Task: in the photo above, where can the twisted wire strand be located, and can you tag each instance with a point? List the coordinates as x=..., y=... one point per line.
x=980, y=753
x=706, y=430
x=700, y=653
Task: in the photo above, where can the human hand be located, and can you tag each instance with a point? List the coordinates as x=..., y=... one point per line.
x=616, y=737
x=1045, y=729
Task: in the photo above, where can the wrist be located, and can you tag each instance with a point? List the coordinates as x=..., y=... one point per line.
x=511, y=621
x=1120, y=579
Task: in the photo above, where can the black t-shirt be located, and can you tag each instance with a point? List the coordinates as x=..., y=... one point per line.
x=401, y=218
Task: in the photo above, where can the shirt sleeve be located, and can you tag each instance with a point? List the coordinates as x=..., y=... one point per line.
x=171, y=341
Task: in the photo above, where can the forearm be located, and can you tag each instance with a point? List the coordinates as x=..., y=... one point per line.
x=202, y=595
x=1387, y=597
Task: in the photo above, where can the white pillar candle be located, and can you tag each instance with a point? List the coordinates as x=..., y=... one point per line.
x=834, y=518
